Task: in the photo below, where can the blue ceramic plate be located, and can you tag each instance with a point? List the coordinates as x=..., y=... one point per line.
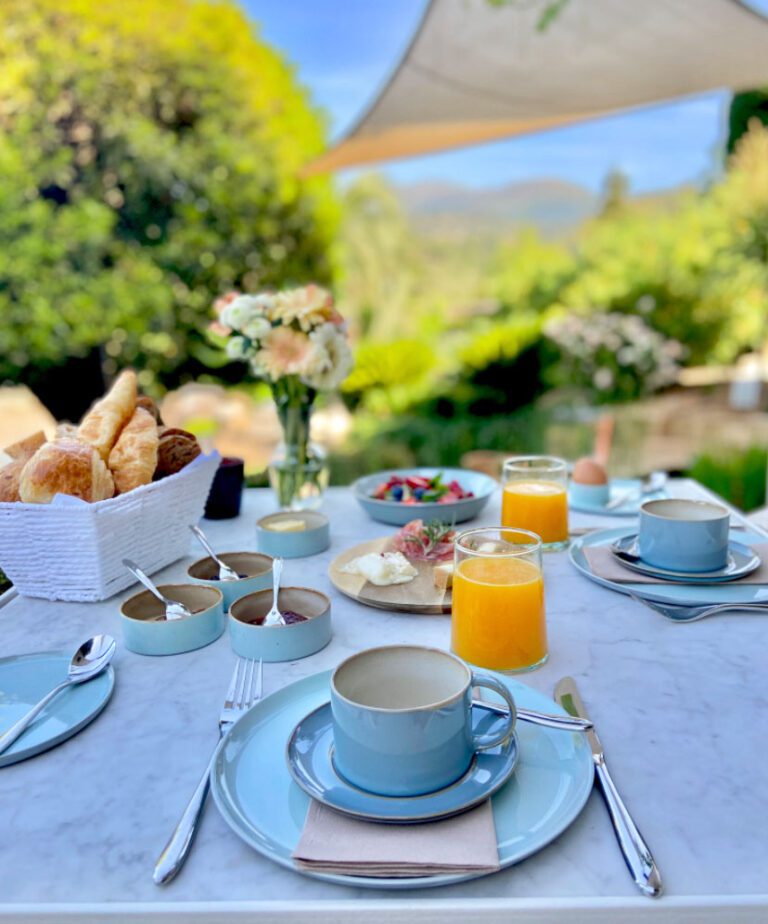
x=482, y=486
x=310, y=760
x=742, y=560
x=258, y=798
x=618, y=486
x=686, y=594
x=24, y=681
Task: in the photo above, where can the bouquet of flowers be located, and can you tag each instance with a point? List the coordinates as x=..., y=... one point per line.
x=297, y=342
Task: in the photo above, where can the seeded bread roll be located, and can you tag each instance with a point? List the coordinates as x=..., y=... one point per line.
x=65, y=466
x=177, y=448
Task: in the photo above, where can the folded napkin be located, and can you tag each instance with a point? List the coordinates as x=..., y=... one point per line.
x=335, y=843
x=603, y=563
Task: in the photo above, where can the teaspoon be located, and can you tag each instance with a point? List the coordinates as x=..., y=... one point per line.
x=87, y=662
x=274, y=617
x=225, y=572
x=173, y=609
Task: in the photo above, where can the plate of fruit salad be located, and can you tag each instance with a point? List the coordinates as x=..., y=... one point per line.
x=451, y=495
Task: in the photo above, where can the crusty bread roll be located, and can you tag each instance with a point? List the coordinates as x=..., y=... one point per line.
x=134, y=457
x=102, y=424
x=10, y=475
x=149, y=404
x=65, y=466
x=27, y=447
x=177, y=448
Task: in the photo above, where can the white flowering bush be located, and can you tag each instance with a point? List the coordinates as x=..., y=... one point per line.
x=615, y=357
x=295, y=332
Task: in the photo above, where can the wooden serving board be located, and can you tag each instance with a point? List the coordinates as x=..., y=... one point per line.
x=417, y=596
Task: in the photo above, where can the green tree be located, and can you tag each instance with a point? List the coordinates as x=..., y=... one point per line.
x=149, y=160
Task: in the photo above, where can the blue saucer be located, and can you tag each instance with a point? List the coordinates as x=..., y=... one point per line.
x=310, y=760
x=742, y=560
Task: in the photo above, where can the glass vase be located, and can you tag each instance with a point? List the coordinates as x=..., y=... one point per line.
x=298, y=470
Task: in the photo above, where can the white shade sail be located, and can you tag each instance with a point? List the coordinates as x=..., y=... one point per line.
x=476, y=71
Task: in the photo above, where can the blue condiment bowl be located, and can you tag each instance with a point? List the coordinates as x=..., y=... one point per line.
x=256, y=568
x=146, y=630
x=250, y=639
x=313, y=539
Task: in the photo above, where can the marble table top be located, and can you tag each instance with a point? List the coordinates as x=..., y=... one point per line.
x=682, y=711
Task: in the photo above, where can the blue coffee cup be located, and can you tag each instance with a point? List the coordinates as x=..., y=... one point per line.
x=402, y=719
x=684, y=535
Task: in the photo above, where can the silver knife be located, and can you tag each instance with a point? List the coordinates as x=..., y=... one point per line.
x=637, y=855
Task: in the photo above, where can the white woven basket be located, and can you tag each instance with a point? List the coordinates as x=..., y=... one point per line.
x=72, y=550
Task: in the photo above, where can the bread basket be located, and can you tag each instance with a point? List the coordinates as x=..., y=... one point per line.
x=72, y=550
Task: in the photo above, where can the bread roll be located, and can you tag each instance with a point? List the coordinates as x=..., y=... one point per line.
x=65, y=466
x=10, y=475
x=149, y=404
x=134, y=458
x=102, y=424
x=177, y=448
x=26, y=448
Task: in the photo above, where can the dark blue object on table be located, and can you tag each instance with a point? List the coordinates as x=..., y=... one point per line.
x=226, y=491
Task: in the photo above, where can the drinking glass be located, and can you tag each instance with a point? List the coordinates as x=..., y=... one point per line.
x=498, y=619
x=535, y=497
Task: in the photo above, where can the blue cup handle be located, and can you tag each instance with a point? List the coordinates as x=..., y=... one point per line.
x=483, y=742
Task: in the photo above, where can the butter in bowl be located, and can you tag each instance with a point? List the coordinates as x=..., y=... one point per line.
x=146, y=631
x=293, y=534
x=255, y=572
x=308, y=629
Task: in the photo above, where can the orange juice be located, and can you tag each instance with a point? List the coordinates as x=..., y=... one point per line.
x=540, y=506
x=498, y=613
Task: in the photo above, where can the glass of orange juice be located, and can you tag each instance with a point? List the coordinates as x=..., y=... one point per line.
x=497, y=617
x=535, y=497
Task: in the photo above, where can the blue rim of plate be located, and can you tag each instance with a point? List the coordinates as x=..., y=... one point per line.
x=742, y=560
x=313, y=768
x=629, y=509
x=685, y=594
x=73, y=708
x=545, y=795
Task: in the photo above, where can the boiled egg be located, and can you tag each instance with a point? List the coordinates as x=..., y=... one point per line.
x=587, y=471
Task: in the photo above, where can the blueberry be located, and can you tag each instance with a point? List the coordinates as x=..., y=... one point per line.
x=418, y=493
x=397, y=492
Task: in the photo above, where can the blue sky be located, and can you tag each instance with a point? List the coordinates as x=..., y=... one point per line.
x=344, y=49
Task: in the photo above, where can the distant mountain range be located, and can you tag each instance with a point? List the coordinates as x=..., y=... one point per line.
x=555, y=207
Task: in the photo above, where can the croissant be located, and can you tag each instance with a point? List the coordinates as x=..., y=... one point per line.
x=65, y=466
x=102, y=424
x=134, y=457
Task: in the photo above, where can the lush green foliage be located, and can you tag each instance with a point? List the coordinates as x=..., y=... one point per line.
x=149, y=156
x=739, y=477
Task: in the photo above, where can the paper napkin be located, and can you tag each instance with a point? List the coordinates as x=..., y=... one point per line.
x=335, y=843
x=603, y=564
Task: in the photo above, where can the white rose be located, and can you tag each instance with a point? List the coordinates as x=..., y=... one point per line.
x=256, y=327
x=243, y=309
x=236, y=348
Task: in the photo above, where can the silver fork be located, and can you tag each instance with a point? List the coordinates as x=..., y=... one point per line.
x=245, y=689
x=681, y=613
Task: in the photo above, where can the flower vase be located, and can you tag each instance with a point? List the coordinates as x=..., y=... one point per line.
x=298, y=471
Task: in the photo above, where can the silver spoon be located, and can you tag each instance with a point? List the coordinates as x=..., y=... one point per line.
x=560, y=722
x=274, y=617
x=87, y=662
x=173, y=609
x=650, y=484
x=225, y=572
